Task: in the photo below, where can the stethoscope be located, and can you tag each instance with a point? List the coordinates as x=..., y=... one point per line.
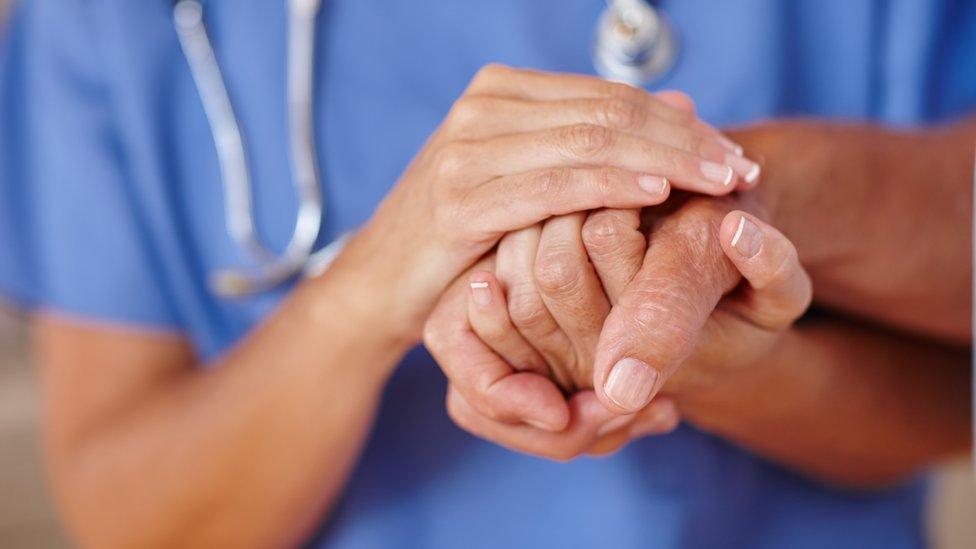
x=634, y=44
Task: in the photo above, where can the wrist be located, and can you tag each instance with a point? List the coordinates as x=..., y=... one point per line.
x=371, y=282
x=760, y=390
x=809, y=169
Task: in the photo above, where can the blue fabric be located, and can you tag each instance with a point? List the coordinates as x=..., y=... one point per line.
x=110, y=209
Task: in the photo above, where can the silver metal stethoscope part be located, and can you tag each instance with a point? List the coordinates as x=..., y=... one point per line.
x=272, y=270
x=634, y=43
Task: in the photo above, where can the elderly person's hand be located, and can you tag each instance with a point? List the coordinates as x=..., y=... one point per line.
x=665, y=324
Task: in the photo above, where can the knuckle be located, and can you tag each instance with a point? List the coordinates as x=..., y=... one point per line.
x=624, y=92
x=587, y=140
x=558, y=271
x=604, y=234
x=450, y=160
x=664, y=318
x=490, y=73
x=433, y=336
x=467, y=110
x=550, y=185
x=620, y=114
x=526, y=310
x=492, y=331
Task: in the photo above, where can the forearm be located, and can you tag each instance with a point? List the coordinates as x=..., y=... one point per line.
x=249, y=452
x=846, y=404
x=881, y=219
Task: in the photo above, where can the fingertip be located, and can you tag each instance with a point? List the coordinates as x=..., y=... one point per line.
x=658, y=188
x=742, y=236
x=532, y=399
x=484, y=290
x=662, y=417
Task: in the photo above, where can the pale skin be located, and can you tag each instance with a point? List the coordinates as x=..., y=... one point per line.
x=786, y=405
x=145, y=448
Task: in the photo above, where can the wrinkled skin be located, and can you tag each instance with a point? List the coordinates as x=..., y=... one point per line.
x=677, y=305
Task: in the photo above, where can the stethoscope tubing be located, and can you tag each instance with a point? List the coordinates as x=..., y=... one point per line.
x=272, y=269
x=644, y=52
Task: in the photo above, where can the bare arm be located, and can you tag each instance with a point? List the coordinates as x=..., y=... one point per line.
x=145, y=449
x=844, y=403
x=881, y=218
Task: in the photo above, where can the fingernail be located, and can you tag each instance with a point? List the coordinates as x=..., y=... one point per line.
x=480, y=293
x=614, y=424
x=653, y=184
x=745, y=168
x=747, y=239
x=717, y=173
x=630, y=384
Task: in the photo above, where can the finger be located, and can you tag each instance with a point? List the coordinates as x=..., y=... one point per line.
x=484, y=116
x=674, y=106
x=660, y=417
x=616, y=246
x=542, y=86
x=586, y=418
x=677, y=100
x=747, y=170
x=546, y=86
x=589, y=145
x=515, y=261
x=488, y=315
x=656, y=323
x=779, y=289
x=570, y=288
x=486, y=380
x=514, y=202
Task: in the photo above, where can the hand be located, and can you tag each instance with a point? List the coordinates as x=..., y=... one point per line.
x=520, y=147
x=686, y=324
x=522, y=408
x=515, y=396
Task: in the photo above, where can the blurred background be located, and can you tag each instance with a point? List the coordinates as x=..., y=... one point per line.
x=27, y=517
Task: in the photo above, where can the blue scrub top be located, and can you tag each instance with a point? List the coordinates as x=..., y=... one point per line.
x=110, y=209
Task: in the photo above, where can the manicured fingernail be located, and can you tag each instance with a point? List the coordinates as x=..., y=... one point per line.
x=745, y=168
x=614, y=424
x=717, y=173
x=630, y=384
x=481, y=293
x=653, y=184
x=747, y=239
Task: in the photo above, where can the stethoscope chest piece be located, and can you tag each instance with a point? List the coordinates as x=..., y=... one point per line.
x=634, y=43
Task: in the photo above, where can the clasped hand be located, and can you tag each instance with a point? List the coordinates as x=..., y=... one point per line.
x=588, y=329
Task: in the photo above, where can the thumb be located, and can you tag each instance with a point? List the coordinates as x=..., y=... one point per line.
x=655, y=324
